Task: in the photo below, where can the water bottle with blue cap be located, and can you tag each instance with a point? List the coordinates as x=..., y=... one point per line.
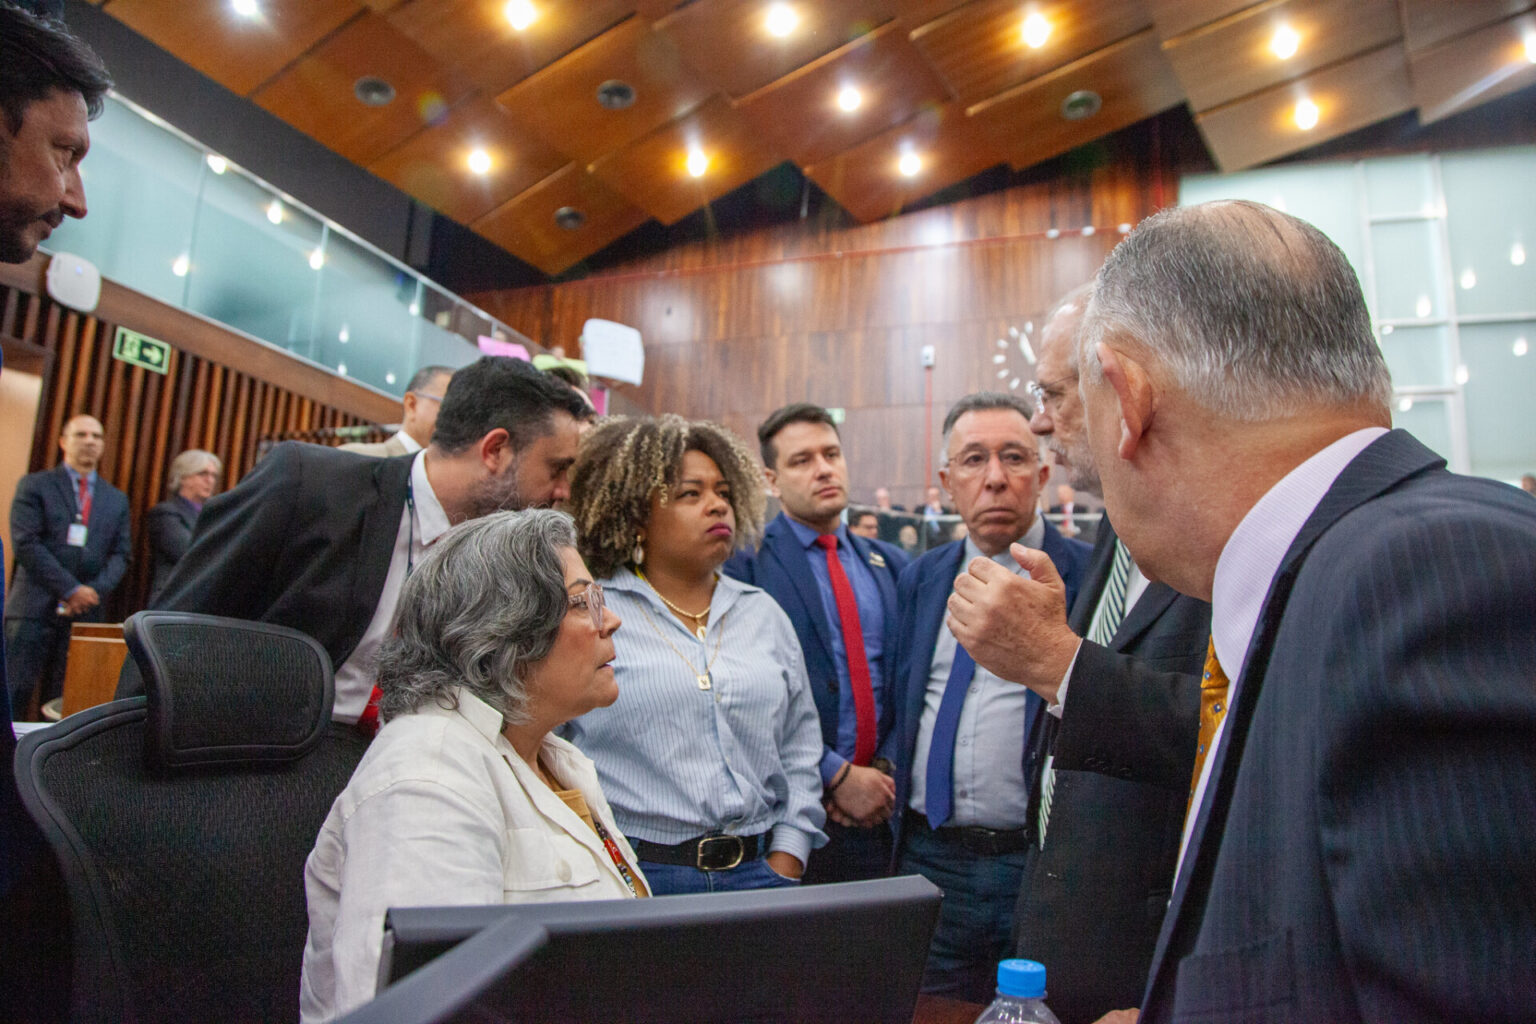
x=1020, y=995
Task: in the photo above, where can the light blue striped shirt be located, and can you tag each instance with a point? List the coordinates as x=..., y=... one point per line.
x=677, y=761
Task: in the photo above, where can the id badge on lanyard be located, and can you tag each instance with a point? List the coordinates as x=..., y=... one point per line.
x=75, y=538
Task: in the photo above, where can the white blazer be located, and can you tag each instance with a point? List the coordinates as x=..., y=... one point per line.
x=441, y=811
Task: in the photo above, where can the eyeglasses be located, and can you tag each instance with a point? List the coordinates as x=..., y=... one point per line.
x=974, y=462
x=424, y=394
x=591, y=598
x=1049, y=393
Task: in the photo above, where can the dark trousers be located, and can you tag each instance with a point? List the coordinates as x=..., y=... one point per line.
x=976, y=918
x=35, y=653
x=851, y=855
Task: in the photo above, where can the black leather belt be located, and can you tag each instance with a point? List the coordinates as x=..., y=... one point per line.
x=707, y=853
x=984, y=842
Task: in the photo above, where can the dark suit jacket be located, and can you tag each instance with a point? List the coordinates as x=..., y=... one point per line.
x=1093, y=900
x=780, y=566
x=922, y=594
x=1365, y=849
x=170, y=526
x=47, y=567
x=304, y=541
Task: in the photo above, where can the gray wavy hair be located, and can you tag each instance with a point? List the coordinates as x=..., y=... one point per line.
x=1253, y=312
x=186, y=464
x=486, y=601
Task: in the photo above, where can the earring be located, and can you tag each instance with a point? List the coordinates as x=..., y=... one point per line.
x=638, y=555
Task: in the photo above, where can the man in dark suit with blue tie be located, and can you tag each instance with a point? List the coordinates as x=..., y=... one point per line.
x=69, y=528
x=963, y=783
x=1358, y=843
x=839, y=591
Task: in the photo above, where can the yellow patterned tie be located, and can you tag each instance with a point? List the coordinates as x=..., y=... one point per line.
x=1213, y=707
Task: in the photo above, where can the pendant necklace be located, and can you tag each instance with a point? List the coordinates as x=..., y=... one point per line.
x=700, y=621
x=702, y=678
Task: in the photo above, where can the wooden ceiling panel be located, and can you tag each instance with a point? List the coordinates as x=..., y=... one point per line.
x=654, y=9
x=1232, y=58
x=914, y=13
x=526, y=226
x=1428, y=23
x=476, y=37
x=980, y=48
x=728, y=43
x=560, y=104
x=434, y=165
x=866, y=180
x=1131, y=78
x=238, y=53
x=1175, y=17
x=1351, y=95
x=800, y=112
x=1473, y=69
x=315, y=95
x=652, y=172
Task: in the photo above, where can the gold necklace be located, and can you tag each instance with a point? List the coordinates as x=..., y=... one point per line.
x=702, y=678
x=699, y=621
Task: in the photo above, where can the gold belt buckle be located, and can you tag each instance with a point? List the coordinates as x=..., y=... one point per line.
x=704, y=843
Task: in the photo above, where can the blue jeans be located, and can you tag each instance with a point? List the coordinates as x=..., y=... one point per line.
x=676, y=880
x=976, y=917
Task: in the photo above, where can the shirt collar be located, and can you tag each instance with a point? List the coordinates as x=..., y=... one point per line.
x=625, y=581
x=74, y=475
x=1252, y=555
x=409, y=442
x=485, y=719
x=807, y=536
x=431, y=520
x=1033, y=538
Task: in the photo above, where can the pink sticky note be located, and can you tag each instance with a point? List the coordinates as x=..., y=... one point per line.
x=495, y=347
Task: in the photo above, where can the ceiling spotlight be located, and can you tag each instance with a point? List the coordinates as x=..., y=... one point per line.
x=316, y=259
x=1053, y=233
x=780, y=20
x=1422, y=308
x=568, y=218
x=1405, y=405
x=246, y=8
x=1036, y=30
x=217, y=164
x=1002, y=374
x=1124, y=229
x=373, y=91
x=520, y=13
x=180, y=265
x=698, y=162
x=1468, y=279
x=341, y=368
x=1306, y=115
x=344, y=335
x=1520, y=347
x=910, y=165
x=414, y=309
x=849, y=98
x=1517, y=255
x=1285, y=42
x=1530, y=47
x=389, y=378
x=480, y=162
x=999, y=359
x=615, y=95
x=1080, y=104
x=275, y=212
x=1088, y=230
x=1462, y=375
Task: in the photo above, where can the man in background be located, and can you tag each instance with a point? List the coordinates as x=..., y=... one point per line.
x=864, y=523
x=418, y=415
x=839, y=590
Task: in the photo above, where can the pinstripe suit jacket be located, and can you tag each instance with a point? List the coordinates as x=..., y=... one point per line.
x=1364, y=853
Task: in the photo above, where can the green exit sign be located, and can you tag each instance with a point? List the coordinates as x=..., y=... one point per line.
x=138, y=350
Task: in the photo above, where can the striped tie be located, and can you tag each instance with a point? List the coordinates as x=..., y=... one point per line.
x=1111, y=612
x=1213, y=708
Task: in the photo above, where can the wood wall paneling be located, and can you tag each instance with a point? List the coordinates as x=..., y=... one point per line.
x=727, y=42
x=1350, y=95
x=980, y=48
x=560, y=105
x=1232, y=58
x=1472, y=69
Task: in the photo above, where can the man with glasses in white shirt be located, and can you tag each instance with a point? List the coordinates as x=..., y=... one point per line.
x=418, y=416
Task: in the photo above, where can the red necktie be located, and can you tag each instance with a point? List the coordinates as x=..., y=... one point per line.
x=858, y=660
x=85, y=501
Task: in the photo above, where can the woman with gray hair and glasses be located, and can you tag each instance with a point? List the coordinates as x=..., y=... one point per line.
x=191, y=481
x=464, y=797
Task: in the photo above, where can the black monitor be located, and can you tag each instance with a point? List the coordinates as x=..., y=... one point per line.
x=825, y=953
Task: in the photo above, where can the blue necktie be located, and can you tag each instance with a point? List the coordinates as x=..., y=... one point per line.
x=941, y=751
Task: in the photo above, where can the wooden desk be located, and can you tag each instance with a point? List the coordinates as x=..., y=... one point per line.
x=96, y=656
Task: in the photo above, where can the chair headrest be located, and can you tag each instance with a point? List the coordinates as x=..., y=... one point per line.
x=227, y=691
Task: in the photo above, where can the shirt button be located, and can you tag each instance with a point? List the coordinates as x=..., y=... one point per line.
x=962, y=793
x=965, y=742
x=564, y=871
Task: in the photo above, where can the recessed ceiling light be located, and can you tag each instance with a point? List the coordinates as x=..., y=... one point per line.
x=1422, y=308
x=180, y=265
x=780, y=20
x=1088, y=230
x=373, y=91
x=1306, y=115
x=1468, y=279
x=344, y=335
x=1462, y=374
x=1530, y=47
x=1124, y=228
x=569, y=218
x=217, y=164
x=910, y=164
x=246, y=8
x=1520, y=347
x=520, y=13
x=1405, y=405
x=698, y=162
x=480, y=162
x=316, y=259
x=275, y=212
x=389, y=378
x=1053, y=233
x=615, y=95
x=1517, y=255
x=414, y=309
x=1036, y=30
x=1285, y=42
x=849, y=98
x=341, y=368
x=1080, y=104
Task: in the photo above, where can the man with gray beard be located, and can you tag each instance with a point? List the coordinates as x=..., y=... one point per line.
x=1105, y=836
x=322, y=540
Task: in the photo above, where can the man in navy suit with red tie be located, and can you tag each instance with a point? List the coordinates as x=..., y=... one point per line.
x=963, y=783
x=839, y=591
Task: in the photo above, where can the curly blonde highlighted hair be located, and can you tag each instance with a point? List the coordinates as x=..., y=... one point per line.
x=624, y=460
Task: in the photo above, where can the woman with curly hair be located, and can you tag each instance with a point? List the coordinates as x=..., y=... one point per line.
x=709, y=756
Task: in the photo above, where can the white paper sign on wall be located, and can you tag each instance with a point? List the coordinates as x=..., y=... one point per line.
x=612, y=351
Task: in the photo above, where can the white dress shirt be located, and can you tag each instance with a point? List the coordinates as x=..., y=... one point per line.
x=1247, y=566
x=989, y=784
x=442, y=811
x=411, y=445
x=355, y=676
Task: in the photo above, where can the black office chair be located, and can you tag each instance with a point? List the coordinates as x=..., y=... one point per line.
x=182, y=819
